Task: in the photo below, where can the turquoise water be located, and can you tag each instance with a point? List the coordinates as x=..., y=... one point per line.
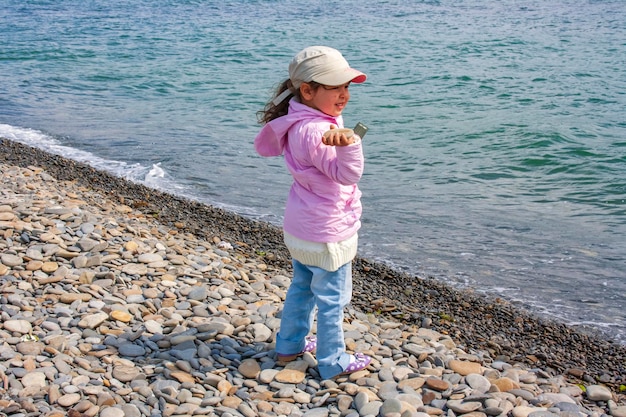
x=496, y=156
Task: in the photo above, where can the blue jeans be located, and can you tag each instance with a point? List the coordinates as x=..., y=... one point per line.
x=331, y=292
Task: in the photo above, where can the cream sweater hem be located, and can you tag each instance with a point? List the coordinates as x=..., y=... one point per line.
x=328, y=256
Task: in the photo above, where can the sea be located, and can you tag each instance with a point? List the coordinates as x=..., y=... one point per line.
x=496, y=151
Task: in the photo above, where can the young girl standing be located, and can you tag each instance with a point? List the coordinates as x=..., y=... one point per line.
x=323, y=210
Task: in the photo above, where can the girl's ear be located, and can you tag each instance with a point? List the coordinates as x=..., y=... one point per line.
x=306, y=92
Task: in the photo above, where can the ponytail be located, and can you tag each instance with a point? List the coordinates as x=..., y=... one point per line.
x=279, y=105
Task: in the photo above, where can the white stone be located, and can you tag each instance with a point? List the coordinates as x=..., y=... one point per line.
x=267, y=375
x=68, y=400
x=93, y=320
x=524, y=410
x=135, y=269
x=112, y=412
x=617, y=411
x=554, y=398
x=598, y=393
x=153, y=326
x=34, y=379
x=18, y=326
x=148, y=258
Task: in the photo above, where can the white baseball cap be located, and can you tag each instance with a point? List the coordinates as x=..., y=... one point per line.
x=323, y=65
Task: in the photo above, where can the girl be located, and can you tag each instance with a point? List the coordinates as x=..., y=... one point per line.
x=323, y=210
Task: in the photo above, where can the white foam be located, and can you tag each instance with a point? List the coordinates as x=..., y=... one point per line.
x=154, y=177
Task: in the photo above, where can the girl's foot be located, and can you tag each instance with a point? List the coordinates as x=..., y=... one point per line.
x=358, y=362
x=310, y=346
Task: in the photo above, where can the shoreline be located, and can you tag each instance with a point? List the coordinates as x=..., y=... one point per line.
x=474, y=321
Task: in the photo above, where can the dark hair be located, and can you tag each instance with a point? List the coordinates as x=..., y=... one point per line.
x=273, y=111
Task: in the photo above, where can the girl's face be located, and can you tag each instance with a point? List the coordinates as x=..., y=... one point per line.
x=327, y=99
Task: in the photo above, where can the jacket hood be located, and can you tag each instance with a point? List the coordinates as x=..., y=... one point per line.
x=272, y=138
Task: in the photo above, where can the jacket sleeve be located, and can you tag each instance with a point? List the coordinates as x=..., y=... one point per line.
x=342, y=164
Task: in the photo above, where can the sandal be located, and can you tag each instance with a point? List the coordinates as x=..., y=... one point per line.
x=358, y=362
x=310, y=346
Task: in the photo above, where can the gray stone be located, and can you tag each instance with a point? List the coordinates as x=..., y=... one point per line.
x=11, y=260
x=360, y=400
x=371, y=408
x=391, y=405
x=388, y=390
x=542, y=414
x=112, y=412
x=463, y=407
x=478, y=383
x=198, y=293
x=129, y=349
x=316, y=412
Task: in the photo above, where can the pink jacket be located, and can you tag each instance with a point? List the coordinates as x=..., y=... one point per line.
x=324, y=203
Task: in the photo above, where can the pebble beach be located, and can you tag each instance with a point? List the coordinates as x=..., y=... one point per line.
x=120, y=300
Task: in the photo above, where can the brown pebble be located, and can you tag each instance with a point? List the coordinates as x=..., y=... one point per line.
x=578, y=373
x=505, y=384
x=121, y=316
x=465, y=367
x=428, y=397
x=437, y=384
x=181, y=376
x=49, y=267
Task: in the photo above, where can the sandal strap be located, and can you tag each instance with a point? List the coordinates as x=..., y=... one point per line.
x=358, y=361
x=309, y=346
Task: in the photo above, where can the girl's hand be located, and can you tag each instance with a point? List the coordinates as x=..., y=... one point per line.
x=338, y=137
